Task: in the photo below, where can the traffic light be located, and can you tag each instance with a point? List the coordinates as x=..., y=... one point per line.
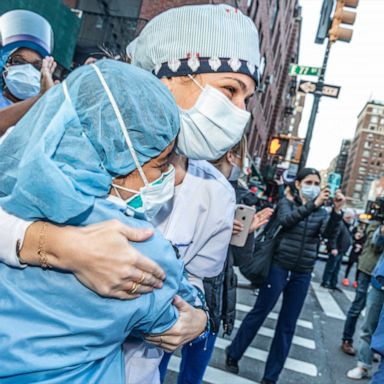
x=278, y=146
x=342, y=16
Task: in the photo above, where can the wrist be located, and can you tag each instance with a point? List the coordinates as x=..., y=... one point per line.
x=60, y=247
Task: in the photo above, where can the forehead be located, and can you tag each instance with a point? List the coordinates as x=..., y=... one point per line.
x=27, y=54
x=311, y=178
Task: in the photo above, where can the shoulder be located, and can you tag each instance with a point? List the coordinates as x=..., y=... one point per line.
x=205, y=173
x=284, y=202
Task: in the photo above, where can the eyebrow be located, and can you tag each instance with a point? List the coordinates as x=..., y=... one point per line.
x=241, y=83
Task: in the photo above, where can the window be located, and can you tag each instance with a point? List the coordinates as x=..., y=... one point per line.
x=263, y=63
x=366, y=154
x=358, y=187
x=356, y=195
x=374, y=119
x=367, y=144
x=372, y=127
x=378, y=163
x=275, y=11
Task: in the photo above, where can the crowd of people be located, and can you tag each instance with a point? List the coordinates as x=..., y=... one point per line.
x=118, y=191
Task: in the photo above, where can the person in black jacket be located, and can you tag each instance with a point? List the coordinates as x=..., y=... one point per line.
x=303, y=221
x=338, y=246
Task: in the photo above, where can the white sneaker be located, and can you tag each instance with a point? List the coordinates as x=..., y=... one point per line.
x=359, y=373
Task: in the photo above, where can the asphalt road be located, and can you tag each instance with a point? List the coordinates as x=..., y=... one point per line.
x=315, y=356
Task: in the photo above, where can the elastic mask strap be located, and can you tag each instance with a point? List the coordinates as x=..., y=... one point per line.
x=121, y=123
x=116, y=187
x=65, y=91
x=196, y=82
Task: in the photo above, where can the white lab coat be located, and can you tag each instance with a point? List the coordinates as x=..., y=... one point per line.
x=198, y=221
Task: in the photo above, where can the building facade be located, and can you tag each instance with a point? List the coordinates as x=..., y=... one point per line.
x=366, y=154
x=342, y=158
x=106, y=26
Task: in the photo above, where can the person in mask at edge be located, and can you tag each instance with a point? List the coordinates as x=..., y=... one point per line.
x=203, y=242
x=218, y=46
x=25, y=65
x=85, y=148
x=303, y=220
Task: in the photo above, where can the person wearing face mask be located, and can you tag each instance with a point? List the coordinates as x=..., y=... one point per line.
x=303, y=220
x=216, y=46
x=89, y=157
x=338, y=246
x=201, y=193
x=25, y=65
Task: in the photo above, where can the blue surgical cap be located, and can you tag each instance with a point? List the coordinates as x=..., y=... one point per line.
x=64, y=153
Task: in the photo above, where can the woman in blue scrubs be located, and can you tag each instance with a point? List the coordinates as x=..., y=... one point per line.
x=108, y=127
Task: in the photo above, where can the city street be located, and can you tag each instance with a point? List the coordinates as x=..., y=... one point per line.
x=315, y=356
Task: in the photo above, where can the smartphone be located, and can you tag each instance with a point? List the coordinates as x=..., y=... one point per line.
x=334, y=181
x=244, y=214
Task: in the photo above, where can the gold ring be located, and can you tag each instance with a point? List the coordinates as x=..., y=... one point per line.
x=134, y=287
x=142, y=278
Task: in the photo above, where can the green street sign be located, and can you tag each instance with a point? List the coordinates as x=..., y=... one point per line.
x=295, y=69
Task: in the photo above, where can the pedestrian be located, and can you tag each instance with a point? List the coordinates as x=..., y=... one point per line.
x=202, y=190
x=338, y=246
x=25, y=64
x=90, y=157
x=357, y=248
x=366, y=264
x=303, y=220
x=375, y=301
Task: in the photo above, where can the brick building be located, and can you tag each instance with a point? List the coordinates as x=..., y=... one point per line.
x=114, y=23
x=366, y=155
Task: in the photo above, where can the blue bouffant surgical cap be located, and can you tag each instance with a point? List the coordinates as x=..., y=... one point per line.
x=66, y=150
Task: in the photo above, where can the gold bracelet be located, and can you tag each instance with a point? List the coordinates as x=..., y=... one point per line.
x=43, y=257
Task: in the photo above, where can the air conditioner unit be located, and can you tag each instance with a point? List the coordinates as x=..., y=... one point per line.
x=269, y=79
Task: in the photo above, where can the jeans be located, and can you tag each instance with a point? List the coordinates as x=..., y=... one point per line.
x=194, y=361
x=357, y=306
x=331, y=270
x=375, y=301
x=378, y=377
x=294, y=287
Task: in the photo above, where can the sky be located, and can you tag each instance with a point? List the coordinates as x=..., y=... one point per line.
x=358, y=67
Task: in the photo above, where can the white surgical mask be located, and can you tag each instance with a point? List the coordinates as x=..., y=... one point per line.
x=235, y=172
x=146, y=203
x=22, y=81
x=153, y=195
x=310, y=192
x=211, y=127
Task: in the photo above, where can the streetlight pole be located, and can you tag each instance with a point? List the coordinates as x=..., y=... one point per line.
x=315, y=107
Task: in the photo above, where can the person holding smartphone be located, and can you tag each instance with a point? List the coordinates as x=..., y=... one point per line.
x=303, y=219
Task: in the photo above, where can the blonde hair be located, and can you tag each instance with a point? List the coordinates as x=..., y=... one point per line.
x=240, y=149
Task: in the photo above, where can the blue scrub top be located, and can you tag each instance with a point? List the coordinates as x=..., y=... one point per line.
x=54, y=330
x=4, y=102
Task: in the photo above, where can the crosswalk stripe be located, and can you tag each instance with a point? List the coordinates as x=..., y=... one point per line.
x=258, y=354
x=213, y=375
x=327, y=302
x=350, y=295
x=297, y=340
x=273, y=315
